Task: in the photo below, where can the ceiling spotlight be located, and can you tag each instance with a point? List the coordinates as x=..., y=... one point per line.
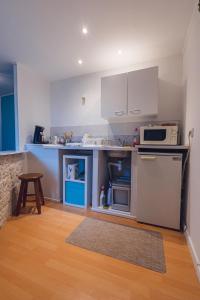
x=80, y=61
x=119, y=52
x=84, y=30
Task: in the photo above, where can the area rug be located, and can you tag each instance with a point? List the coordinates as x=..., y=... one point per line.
x=137, y=246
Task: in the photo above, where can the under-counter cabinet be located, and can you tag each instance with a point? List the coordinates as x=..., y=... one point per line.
x=130, y=94
x=114, y=96
x=117, y=168
x=77, y=180
x=47, y=162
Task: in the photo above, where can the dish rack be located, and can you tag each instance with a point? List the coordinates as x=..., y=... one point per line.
x=94, y=141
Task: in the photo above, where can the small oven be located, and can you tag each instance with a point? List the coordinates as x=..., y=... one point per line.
x=121, y=197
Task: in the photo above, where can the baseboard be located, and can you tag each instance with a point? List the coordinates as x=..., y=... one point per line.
x=195, y=258
x=52, y=199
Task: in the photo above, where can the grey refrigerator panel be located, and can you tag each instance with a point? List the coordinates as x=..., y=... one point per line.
x=159, y=189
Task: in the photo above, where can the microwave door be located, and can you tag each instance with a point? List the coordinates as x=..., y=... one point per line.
x=155, y=136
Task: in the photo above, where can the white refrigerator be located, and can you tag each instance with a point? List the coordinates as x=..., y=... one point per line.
x=159, y=189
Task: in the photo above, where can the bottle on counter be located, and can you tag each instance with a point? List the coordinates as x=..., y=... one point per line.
x=102, y=197
x=136, y=137
x=109, y=194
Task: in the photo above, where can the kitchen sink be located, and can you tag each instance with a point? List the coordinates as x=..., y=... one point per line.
x=73, y=144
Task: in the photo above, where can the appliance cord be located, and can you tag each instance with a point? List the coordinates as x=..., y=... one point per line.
x=187, y=156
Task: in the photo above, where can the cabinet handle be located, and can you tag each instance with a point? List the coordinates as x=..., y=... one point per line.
x=135, y=111
x=148, y=157
x=119, y=113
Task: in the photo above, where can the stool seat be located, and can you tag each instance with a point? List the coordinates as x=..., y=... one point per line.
x=39, y=197
x=30, y=176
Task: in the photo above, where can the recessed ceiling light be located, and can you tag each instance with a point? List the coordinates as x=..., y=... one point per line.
x=119, y=52
x=84, y=30
x=80, y=61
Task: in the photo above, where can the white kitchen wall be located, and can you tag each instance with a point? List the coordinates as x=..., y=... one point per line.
x=67, y=110
x=192, y=120
x=33, y=96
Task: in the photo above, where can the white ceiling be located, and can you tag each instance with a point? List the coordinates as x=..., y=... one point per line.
x=46, y=34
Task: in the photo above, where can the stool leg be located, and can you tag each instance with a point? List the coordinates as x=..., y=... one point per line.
x=25, y=193
x=37, y=196
x=41, y=192
x=20, y=198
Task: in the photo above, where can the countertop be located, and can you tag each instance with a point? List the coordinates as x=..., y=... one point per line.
x=85, y=147
x=4, y=153
x=108, y=148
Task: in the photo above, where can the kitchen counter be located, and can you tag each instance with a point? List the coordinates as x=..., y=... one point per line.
x=81, y=147
x=108, y=148
x=48, y=160
x=12, y=165
x=5, y=153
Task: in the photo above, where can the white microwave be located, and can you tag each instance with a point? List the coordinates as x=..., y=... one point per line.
x=159, y=135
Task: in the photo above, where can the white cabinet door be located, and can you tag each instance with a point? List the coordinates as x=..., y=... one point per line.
x=114, y=96
x=143, y=92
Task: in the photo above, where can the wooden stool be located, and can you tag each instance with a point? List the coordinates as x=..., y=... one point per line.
x=39, y=197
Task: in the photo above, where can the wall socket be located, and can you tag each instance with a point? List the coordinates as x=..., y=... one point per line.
x=191, y=133
x=83, y=100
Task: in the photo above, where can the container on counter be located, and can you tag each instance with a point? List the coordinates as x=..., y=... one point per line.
x=136, y=137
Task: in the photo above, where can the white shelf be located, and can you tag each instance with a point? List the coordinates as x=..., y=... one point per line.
x=86, y=184
x=75, y=180
x=74, y=205
x=115, y=212
x=169, y=147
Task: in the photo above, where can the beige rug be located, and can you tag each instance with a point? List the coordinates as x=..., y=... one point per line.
x=136, y=246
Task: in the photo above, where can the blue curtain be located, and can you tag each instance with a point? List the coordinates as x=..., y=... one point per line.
x=8, y=123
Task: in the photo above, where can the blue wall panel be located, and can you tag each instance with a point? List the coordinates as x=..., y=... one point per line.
x=8, y=122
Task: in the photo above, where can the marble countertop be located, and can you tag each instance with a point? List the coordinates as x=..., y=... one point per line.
x=77, y=146
x=4, y=153
x=81, y=147
x=117, y=148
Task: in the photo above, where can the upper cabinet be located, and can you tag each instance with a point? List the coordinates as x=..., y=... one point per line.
x=114, y=96
x=143, y=92
x=130, y=94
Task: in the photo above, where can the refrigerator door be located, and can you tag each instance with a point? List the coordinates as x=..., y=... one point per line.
x=159, y=189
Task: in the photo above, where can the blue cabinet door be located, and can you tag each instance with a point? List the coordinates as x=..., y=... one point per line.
x=75, y=193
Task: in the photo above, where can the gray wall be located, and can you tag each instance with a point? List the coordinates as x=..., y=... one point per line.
x=67, y=113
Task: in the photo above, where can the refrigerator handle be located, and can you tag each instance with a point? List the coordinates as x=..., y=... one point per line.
x=147, y=157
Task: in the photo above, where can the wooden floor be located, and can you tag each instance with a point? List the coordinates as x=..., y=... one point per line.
x=36, y=263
